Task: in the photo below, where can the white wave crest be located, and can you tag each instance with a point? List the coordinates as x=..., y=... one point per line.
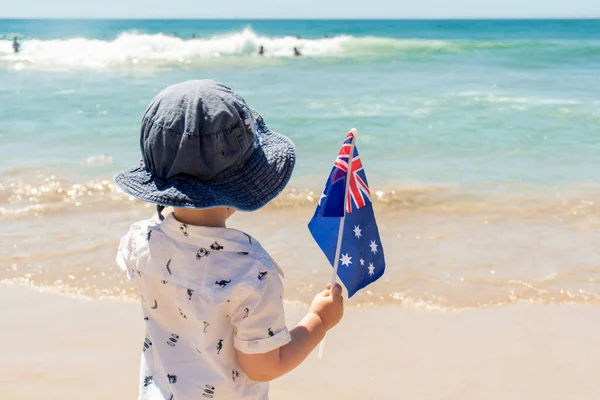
x=133, y=48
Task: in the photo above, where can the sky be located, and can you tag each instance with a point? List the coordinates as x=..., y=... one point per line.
x=252, y=9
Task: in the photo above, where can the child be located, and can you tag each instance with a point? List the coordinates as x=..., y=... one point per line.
x=212, y=296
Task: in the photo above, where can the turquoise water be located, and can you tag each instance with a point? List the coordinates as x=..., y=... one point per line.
x=481, y=141
x=460, y=102
x=422, y=29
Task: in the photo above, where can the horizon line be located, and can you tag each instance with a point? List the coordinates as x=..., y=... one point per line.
x=523, y=18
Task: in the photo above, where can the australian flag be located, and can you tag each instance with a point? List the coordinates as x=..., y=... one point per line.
x=361, y=259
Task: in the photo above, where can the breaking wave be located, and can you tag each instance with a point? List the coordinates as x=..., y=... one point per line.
x=133, y=49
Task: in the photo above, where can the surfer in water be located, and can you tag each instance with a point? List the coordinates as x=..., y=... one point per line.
x=297, y=52
x=16, y=45
x=261, y=51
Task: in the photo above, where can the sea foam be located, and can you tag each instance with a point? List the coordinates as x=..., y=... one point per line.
x=131, y=49
x=135, y=49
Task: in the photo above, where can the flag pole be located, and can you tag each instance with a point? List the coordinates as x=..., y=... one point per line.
x=338, y=249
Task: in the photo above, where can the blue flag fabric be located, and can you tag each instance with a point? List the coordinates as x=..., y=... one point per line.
x=361, y=257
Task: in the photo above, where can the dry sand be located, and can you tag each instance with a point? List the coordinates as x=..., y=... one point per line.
x=54, y=347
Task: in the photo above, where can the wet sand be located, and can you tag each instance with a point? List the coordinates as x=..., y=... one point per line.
x=55, y=347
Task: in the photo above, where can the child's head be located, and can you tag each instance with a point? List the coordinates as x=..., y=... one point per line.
x=203, y=147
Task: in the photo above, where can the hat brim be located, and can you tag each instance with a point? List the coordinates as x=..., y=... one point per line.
x=251, y=186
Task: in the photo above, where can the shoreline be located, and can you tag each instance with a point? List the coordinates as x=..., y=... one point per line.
x=59, y=347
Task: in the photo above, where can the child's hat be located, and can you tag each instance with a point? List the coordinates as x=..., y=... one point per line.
x=202, y=147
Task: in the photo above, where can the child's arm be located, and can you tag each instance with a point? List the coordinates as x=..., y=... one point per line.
x=325, y=312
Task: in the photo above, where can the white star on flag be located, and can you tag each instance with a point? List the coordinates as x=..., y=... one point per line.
x=323, y=195
x=373, y=246
x=362, y=262
x=357, y=231
x=346, y=260
x=371, y=269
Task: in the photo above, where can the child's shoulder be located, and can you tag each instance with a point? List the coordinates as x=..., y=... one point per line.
x=250, y=262
x=141, y=228
x=136, y=237
x=139, y=233
x=254, y=272
x=261, y=257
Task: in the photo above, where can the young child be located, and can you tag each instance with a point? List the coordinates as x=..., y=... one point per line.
x=212, y=296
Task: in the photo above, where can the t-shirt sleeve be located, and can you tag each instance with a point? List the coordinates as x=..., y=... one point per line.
x=260, y=320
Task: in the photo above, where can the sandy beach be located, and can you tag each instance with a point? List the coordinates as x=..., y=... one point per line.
x=54, y=347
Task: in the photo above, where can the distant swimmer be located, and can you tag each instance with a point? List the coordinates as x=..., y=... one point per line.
x=16, y=45
x=261, y=52
x=297, y=52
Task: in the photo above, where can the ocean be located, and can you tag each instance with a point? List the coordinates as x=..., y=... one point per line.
x=480, y=139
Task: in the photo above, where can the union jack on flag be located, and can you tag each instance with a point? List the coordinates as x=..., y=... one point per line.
x=358, y=190
x=361, y=258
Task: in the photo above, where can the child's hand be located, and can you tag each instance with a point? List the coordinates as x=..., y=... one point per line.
x=325, y=312
x=329, y=306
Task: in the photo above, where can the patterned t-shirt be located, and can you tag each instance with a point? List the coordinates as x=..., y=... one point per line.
x=205, y=292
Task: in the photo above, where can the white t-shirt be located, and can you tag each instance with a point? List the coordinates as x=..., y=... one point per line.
x=204, y=292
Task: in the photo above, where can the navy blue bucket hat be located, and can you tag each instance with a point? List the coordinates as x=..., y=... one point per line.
x=203, y=147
